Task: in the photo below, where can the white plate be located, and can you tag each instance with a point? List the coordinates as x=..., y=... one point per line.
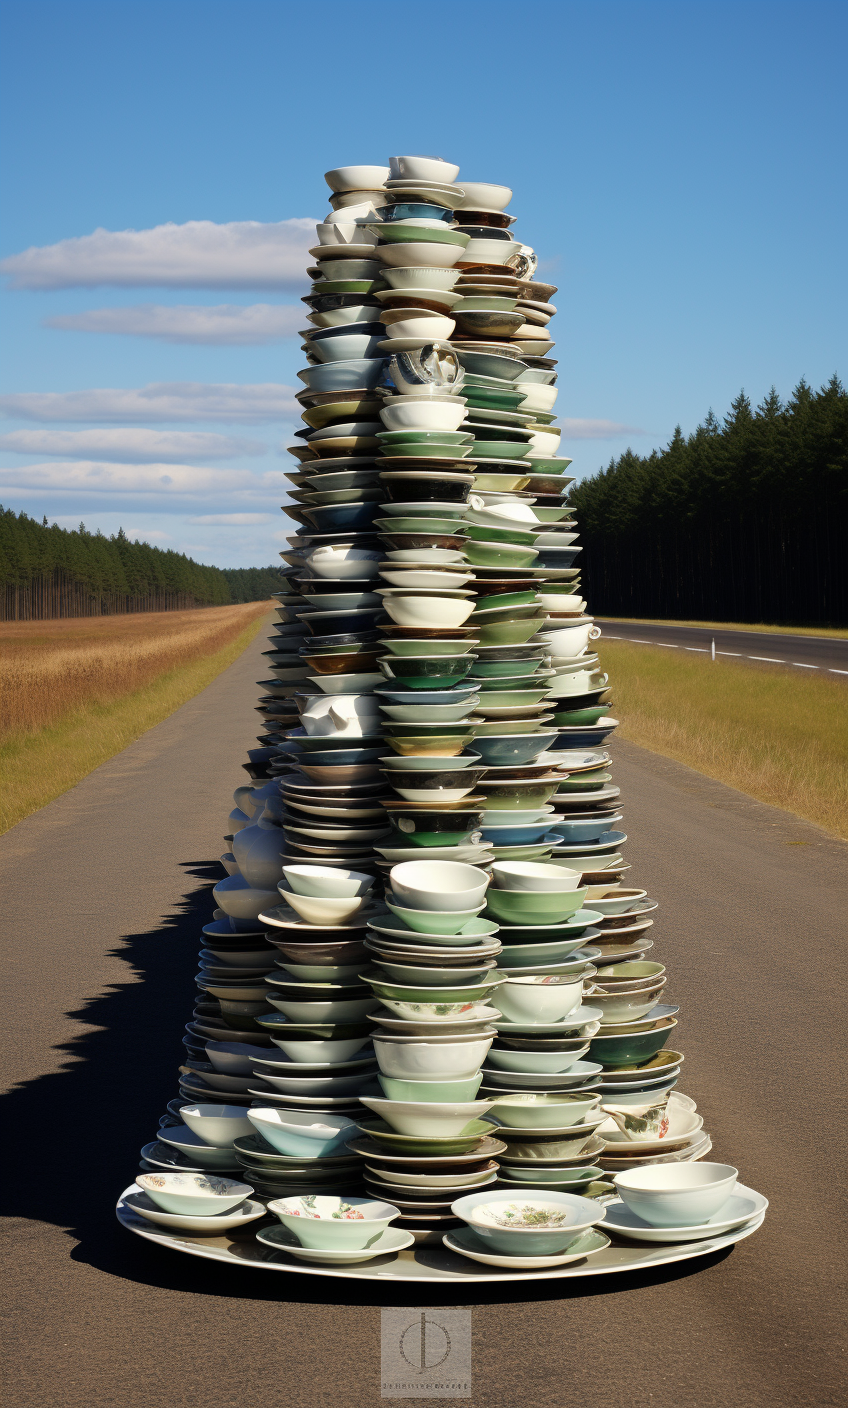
x=462, y=1240
x=396, y=1178
x=580, y=1017
x=280, y=1239
x=742, y=1207
x=248, y=1211
x=508, y=1081
x=699, y=1146
x=439, y=1266
x=683, y=1126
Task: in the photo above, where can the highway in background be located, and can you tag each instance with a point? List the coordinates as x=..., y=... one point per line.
x=824, y=654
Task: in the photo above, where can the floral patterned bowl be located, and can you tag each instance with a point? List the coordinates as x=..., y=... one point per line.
x=537, y=1225
x=328, y=1222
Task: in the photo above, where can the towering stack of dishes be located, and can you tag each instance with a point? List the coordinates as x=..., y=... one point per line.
x=425, y=975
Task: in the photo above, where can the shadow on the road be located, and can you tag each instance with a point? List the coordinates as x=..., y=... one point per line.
x=84, y=1125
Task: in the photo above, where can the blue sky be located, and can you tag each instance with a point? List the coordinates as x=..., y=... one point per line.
x=679, y=167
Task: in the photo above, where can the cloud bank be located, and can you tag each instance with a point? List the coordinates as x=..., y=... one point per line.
x=159, y=401
x=231, y=520
x=200, y=254
x=164, y=480
x=226, y=324
x=596, y=430
x=133, y=445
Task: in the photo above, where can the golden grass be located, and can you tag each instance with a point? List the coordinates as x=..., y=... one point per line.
x=77, y=692
x=836, y=632
x=776, y=736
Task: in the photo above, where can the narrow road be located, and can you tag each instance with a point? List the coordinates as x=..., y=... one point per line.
x=823, y=654
x=105, y=891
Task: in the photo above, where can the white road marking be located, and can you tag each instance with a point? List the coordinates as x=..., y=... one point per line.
x=737, y=653
x=769, y=659
x=831, y=671
x=700, y=649
x=799, y=664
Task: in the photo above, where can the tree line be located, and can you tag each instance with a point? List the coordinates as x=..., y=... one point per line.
x=744, y=520
x=47, y=571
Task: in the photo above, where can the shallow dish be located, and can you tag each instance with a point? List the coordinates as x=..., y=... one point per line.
x=543, y=1111
x=333, y=1223
x=541, y=1224
x=388, y=1243
x=299, y=1132
x=208, y=1224
x=468, y=1243
x=743, y=1205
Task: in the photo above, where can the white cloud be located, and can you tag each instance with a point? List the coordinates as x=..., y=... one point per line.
x=159, y=401
x=199, y=254
x=237, y=520
x=148, y=535
x=596, y=430
x=131, y=444
x=89, y=476
x=227, y=323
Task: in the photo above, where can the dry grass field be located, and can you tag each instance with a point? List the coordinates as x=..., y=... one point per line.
x=75, y=692
x=777, y=736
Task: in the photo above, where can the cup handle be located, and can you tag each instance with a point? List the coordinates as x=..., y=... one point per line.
x=594, y=632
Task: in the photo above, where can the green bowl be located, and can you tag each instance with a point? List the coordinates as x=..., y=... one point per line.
x=418, y=525
x=426, y=1146
x=434, y=647
x=515, y=797
x=497, y=727
x=501, y=669
x=395, y=233
x=567, y=1180
x=423, y=450
x=510, y=632
x=499, y=601
x=523, y=906
x=432, y=921
x=629, y=1049
x=438, y=1091
x=425, y=437
x=500, y=535
x=548, y=464
x=430, y=745
x=501, y=449
x=491, y=554
x=551, y=515
x=440, y=672
x=571, y=717
x=348, y=286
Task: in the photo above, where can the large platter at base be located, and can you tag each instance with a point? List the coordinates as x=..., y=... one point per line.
x=423, y=1263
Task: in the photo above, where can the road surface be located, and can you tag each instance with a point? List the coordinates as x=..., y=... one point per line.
x=105, y=892
x=825, y=655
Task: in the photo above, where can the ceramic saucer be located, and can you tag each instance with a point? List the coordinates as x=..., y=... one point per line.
x=580, y=1017
x=341, y=1103
x=432, y=1182
x=248, y=1211
x=744, y=1205
x=280, y=1239
x=699, y=1146
x=468, y=1244
x=162, y=1156
x=507, y=1081
x=591, y=1150
x=487, y=1148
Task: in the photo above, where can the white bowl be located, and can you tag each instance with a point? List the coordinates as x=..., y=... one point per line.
x=331, y=1050
x=208, y=1223
x=429, y=329
x=334, y=1010
x=676, y=1194
x=309, y=1133
x=239, y=900
x=568, y=641
x=347, y=684
x=325, y=882
x=484, y=251
x=193, y=1194
x=420, y=610
x=417, y=254
x=416, y=277
x=482, y=195
x=337, y=561
x=545, y=998
x=537, y=398
x=323, y=1222
x=412, y=413
x=346, y=231
x=430, y=1058
x=357, y=178
x=533, y=875
x=422, y=168
x=545, y=442
x=425, y=1118
x=440, y=885
x=219, y=1125
x=317, y=909
x=553, y=1063
x=232, y=1058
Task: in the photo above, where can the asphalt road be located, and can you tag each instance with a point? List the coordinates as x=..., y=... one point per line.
x=827, y=655
x=105, y=892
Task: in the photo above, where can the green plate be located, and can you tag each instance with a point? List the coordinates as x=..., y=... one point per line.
x=479, y=534
x=434, y=647
x=501, y=449
x=415, y=1144
x=510, y=632
x=419, y=525
x=424, y=451
x=491, y=554
x=348, y=286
